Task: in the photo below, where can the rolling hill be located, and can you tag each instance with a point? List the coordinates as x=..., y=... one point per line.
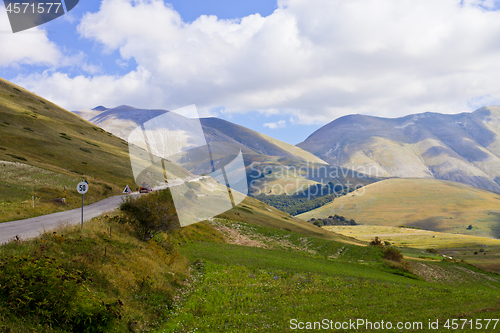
x=42, y=134
x=45, y=151
x=461, y=147
x=429, y=204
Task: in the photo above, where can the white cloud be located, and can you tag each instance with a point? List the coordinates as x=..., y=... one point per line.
x=29, y=47
x=278, y=124
x=314, y=60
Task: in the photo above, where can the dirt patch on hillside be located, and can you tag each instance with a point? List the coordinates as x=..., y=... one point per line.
x=237, y=234
x=233, y=236
x=431, y=273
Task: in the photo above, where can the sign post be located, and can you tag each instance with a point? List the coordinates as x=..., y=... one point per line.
x=127, y=190
x=82, y=188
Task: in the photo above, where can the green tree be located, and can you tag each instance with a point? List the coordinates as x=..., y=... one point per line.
x=151, y=213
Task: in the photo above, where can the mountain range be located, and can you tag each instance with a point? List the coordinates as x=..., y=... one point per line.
x=461, y=147
x=265, y=158
x=122, y=120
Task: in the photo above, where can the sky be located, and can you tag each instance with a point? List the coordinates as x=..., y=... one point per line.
x=283, y=68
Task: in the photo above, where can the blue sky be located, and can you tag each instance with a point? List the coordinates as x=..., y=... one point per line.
x=281, y=68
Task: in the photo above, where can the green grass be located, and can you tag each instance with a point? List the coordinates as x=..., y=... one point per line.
x=29, y=191
x=242, y=289
x=258, y=213
x=232, y=288
x=140, y=279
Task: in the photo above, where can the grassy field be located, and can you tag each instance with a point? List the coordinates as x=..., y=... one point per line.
x=136, y=280
x=408, y=237
x=482, y=252
x=425, y=203
x=198, y=279
x=63, y=147
x=285, y=276
x=29, y=191
x=256, y=212
x=253, y=268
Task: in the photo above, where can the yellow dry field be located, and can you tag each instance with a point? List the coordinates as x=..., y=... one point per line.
x=407, y=237
x=425, y=203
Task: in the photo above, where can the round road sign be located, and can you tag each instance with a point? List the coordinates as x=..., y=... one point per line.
x=82, y=187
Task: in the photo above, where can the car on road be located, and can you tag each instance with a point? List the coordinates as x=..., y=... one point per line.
x=145, y=188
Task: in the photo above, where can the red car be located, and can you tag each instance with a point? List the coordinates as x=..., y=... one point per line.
x=145, y=188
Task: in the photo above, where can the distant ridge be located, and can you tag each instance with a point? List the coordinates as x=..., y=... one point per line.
x=461, y=147
x=123, y=119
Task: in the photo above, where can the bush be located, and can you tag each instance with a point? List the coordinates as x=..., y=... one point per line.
x=393, y=254
x=40, y=287
x=151, y=214
x=318, y=223
x=432, y=251
x=376, y=241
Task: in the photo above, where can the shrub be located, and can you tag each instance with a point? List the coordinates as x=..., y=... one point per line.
x=393, y=254
x=432, y=251
x=387, y=243
x=42, y=288
x=150, y=214
x=318, y=223
x=376, y=241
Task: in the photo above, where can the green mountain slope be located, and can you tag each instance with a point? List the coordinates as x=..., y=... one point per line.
x=45, y=151
x=40, y=133
x=425, y=203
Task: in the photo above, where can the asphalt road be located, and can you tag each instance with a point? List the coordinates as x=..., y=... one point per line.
x=35, y=226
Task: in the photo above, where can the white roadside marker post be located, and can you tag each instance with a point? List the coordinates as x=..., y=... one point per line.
x=82, y=188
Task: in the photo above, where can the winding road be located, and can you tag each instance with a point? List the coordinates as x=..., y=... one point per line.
x=35, y=226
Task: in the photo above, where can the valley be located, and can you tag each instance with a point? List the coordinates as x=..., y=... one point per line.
x=253, y=267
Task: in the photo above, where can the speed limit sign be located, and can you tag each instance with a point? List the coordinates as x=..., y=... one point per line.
x=82, y=187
